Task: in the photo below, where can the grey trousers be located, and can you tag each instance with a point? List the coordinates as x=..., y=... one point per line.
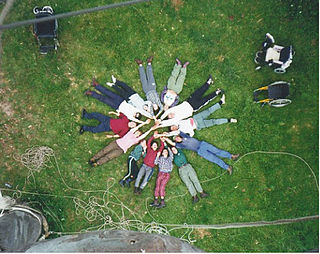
x=145, y=171
x=147, y=80
x=189, y=176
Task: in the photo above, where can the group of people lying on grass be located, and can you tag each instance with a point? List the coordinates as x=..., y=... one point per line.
x=166, y=112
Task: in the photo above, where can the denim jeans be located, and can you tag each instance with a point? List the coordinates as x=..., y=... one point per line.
x=145, y=171
x=147, y=80
x=212, y=153
x=104, y=122
x=202, y=122
x=110, y=98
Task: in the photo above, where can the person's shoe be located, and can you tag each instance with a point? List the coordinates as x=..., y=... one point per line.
x=110, y=84
x=229, y=169
x=91, y=161
x=94, y=82
x=162, y=204
x=121, y=182
x=235, y=156
x=81, y=131
x=149, y=59
x=223, y=99
x=139, y=191
x=94, y=164
x=138, y=61
x=195, y=199
x=155, y=203
x=203, y=194
x=233, y=120
x=136, y=190
x=185, y=64
x=88, y=92
x=178, y=61
x=210, y=80
x=83, y=114
x=114, y=80
x=127, y=184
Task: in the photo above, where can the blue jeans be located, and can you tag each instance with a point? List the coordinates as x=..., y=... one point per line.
x=203, y=122
x=104, y=122
x=110, y=98
x=212, y=153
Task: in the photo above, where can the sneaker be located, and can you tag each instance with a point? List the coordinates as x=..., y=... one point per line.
x=210, y=80
x=139, y=191
x=88, y=92
x=81, y=131
x=149, y=59
x=110, y=84
x=94, y=82
x=203, y=194
x=185, y=64
x=223, y=99
x=138, y=61
x=178, y=61
x=114, y=80
x=83, y=114
x=121, y=182
x=162, y=204
x=233, y=120
x=229, y=170
x=195, y=199
x=235, y=156
x=94, y=164
x=155, y=203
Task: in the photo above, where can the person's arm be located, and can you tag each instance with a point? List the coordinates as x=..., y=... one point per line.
x=170, y=141
x=169, y=122
x=161, y=145
x=112, y=136
x=170, y=154
x=156, y=161
x=145, y=135
x=159, y=113
x=140, y=125
x=169, y=134
x=165, y=114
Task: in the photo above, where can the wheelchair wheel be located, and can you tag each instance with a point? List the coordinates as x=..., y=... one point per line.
x=36, y=10
x=279, y=70
x=48, y=9
x=278, y=103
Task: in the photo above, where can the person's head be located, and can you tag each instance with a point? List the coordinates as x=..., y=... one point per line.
x=174, y=127
x=137, y=134
x=170, y=97
x=132, y=124
x=178, y=139
x=174, y=150
x=165, y=152
x=154, y=145
x=171, y=115
x=146, y=107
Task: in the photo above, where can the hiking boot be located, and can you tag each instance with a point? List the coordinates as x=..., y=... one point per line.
x=195, y=199
x=162, y=204
x=229, y=170
x=235, y=156
x=88, y=92
x=94, y=82
x=203, y=194
x=138, y=61
x=91, y=161
x=185, y=64
x=178, y=61
x=149, y=59
x=81, y=131
x=155, y=203
x=121, y=182
x=84, y=113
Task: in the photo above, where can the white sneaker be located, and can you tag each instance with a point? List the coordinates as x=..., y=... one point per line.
x=110, y=84
x=233, y=120
x=223, y=98
x=114, y=80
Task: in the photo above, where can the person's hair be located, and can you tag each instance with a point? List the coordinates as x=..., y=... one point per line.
x=154, y=142
x=138, y=115
x=177, y=137
x=166, y=150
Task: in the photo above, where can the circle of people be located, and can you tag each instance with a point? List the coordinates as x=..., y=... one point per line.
x=166, y=112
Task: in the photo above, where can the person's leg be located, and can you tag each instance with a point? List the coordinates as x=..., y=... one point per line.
x=141, y=173
x=127, y=90
x=110, y=101
x=197, y=95
x=183, y=173
x=194, y=178
x=173, y=77
x=211, y=122
x=143, y=79
x=204, y=101
x=165, y=179
x=114, y=153
x=180, y=80
x=130, y=163
x=147, y=177
x=150, y=77
x=206, y=151
x=104, y=122
x=205, y=113
x=158, y=182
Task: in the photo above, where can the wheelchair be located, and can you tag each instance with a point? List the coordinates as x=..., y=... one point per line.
x=46, y=32
x=277, y=57
x=277, y=94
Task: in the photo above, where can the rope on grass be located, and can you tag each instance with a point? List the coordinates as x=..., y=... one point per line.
x=103, y=209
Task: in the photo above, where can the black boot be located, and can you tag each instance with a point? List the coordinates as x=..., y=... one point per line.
x=162, y=204
x=155, y=203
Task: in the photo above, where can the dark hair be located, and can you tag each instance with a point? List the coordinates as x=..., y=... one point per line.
x=138, y=115
x=154, y=142
x=165, y=149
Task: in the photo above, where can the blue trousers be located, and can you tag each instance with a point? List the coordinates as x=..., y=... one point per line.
x=104, y=122
x=110, y=98
x=212, y=153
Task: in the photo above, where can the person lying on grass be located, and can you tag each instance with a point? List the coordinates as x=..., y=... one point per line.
x=195, y=101
x=119, y=146
x=165, y=167
x=119, y=126
x=204, y=149
x=197, y=122
x=131, y=96
x=138, y=151
x=170, y=94
x=115, y=101
x=149, y=86
x=188, y=175
x=148, y=163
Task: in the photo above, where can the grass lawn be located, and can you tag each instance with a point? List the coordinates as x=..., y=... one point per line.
x=42, y=98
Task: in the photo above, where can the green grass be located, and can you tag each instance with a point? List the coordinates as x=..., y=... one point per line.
x=45, y=98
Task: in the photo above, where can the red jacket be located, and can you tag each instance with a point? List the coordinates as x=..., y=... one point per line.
x=151, y=154
x=120, y=125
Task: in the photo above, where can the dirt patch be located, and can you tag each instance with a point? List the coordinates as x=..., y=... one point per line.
x=201, y=233
x=177, y=4
x=6, y=108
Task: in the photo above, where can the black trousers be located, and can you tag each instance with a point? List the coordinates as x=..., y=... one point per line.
x=133, y=170
x=123, y=89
